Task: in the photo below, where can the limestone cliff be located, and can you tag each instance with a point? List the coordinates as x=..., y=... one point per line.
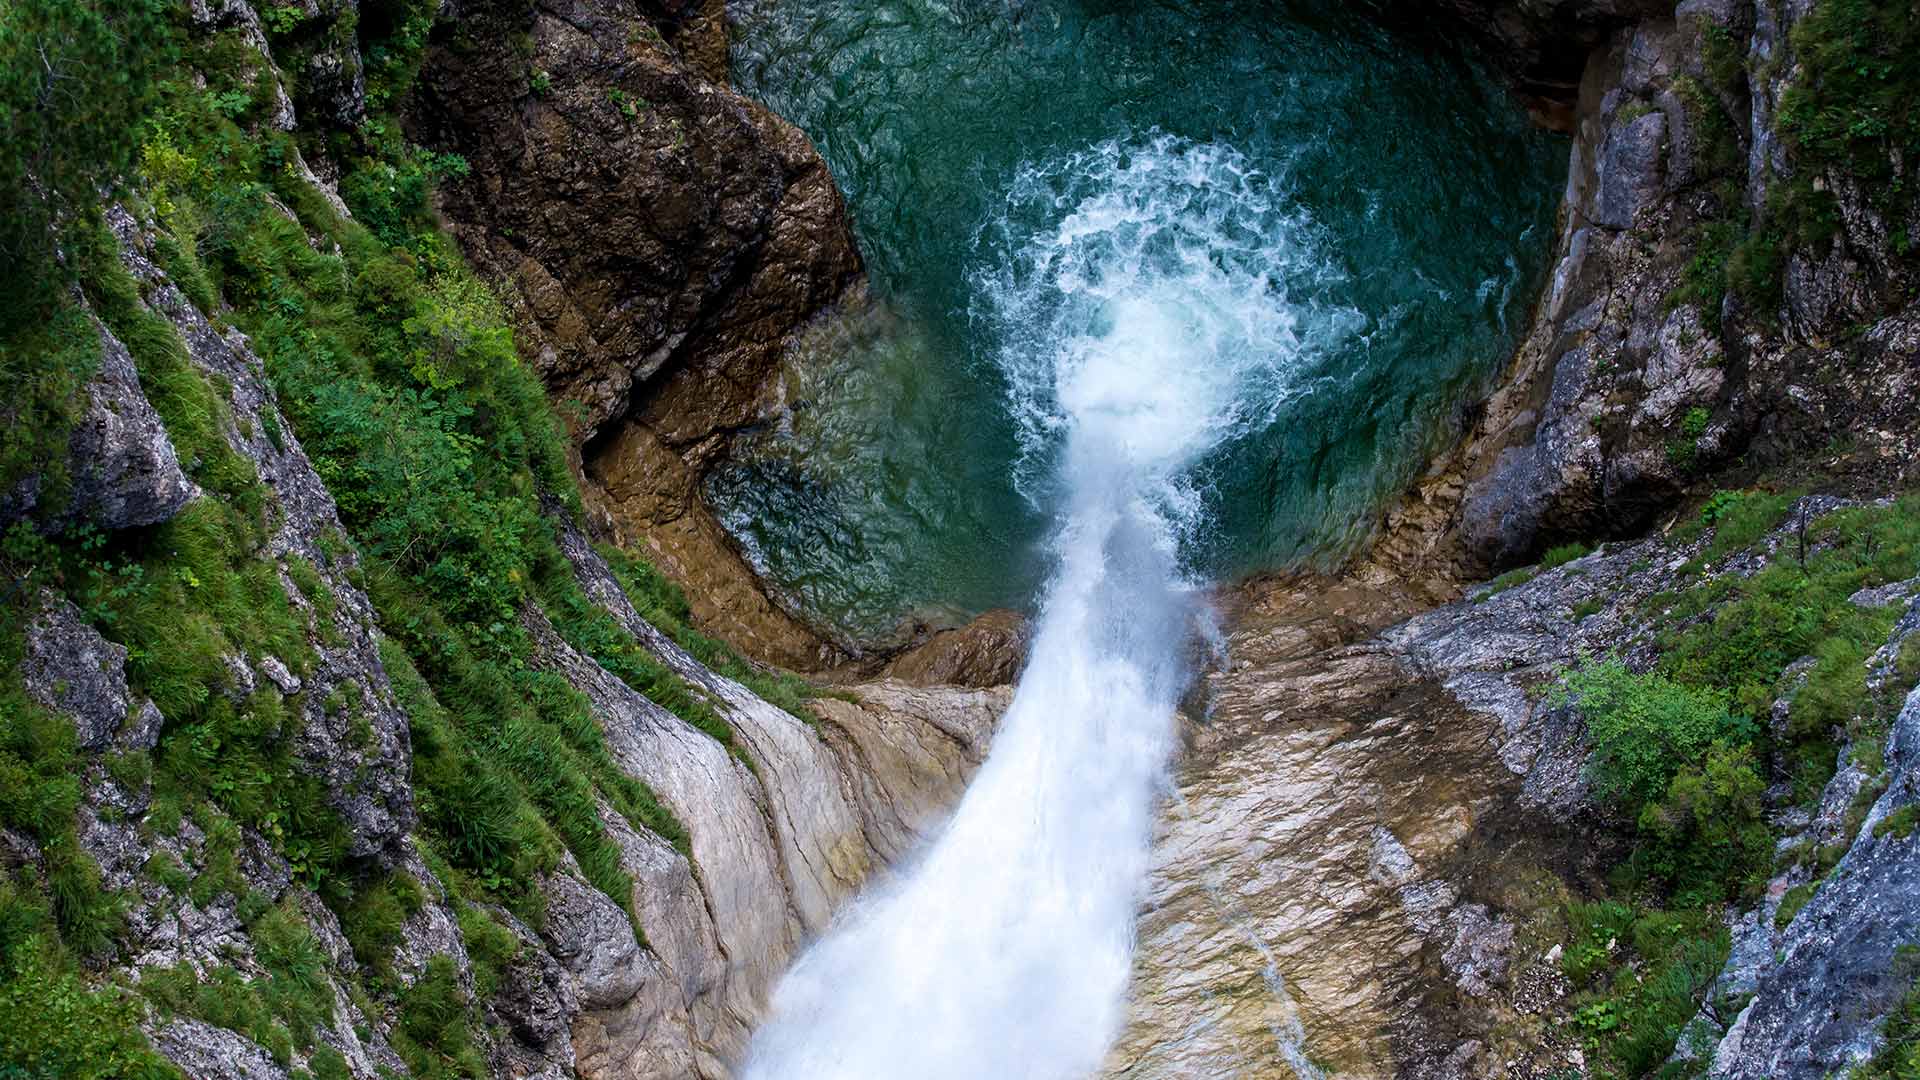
x=1379, y=823
x=1386, y=829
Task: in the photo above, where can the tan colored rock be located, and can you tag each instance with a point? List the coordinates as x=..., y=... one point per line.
x=658, y=239
x=776, y=847
x=907, y=753
x=987, y=651
x=1316, y=896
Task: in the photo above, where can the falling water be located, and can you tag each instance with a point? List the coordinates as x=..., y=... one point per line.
x=1163, y=312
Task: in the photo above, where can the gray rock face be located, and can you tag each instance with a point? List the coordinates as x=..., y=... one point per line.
x=124, y=469
x=923, y=745
x=715, y=797
x=1631, y=168
x=1641, y=372
x=201, y=1049
x=775, y=848
x=1820, y=997
x=594, y=942
x=71, y=669
x=120, y=464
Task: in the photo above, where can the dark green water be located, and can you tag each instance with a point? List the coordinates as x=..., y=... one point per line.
x=892, y=492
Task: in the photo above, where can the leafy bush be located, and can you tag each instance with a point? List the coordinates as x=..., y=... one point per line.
x=56, y=1026
x=1637, y=996
x=1708, y=837
x=1646, y=728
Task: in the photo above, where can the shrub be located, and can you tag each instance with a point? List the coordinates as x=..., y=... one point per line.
x=1646, y=728
x=1707, y=838
x=1852, y=104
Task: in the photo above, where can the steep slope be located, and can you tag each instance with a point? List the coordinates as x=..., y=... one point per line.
x=331, y=744
x=1399, y=848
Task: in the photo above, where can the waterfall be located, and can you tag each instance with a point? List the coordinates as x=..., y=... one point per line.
x=1152, y=301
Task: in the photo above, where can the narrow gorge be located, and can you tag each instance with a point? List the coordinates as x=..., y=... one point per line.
x=1001, y=538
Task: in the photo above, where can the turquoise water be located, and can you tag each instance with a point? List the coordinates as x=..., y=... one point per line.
x=1397, y=202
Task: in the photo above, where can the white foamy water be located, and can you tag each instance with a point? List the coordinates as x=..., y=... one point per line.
x=1141, y=293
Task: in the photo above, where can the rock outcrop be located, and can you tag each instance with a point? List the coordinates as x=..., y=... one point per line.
x=1643, y=371
x=120, y=468
x=658, y=239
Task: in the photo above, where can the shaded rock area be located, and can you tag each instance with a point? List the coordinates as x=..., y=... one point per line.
x=1642, y=372
x=1540, y=47
x=658, y=239
x=1376, y=822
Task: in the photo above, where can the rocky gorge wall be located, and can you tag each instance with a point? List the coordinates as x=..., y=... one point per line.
x=776, y=834
x=1726, y=296
x=658, y=239
x=1386, y=829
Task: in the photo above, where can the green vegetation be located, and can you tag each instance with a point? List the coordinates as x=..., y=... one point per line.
x=75, y=81
x=662, y=603
x=435, y=1033
x=56, y=1024
x=1646, y=728
x=1562, y=555
x=1719, y=237
x=1849, y=110
x=1899, y=824
x=1554, y=559
x=1681, y=752
x=1640, y=977
x=1739, y=519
